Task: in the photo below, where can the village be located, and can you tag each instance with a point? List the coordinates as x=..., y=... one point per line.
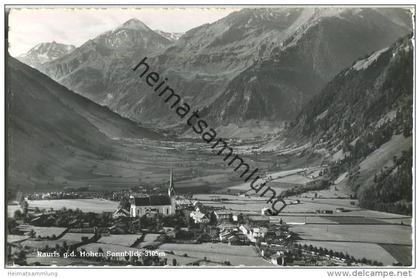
x=158, y=229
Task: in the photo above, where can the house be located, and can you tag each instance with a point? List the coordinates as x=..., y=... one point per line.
x=259, y=232
x=153, y=204
x=266, y=211
x=223, y=215
x=253, y=233
x=120, y=213
x=324, y=211
x=234, y=240
x=199, y=217
x=197, y=204
x=258, y=220
x=224, y=235
x=119, y=228
x=227, y=227
x=277, y=260
x=212, y=231
x=246, y=230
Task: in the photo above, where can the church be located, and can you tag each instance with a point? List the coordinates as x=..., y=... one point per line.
x=153, y=204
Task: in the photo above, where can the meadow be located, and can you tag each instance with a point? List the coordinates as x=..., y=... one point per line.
x=42, y=232
x=395, y=234
x=124, y=240
x=218, y=252
x=85, y=205
x=369, y=251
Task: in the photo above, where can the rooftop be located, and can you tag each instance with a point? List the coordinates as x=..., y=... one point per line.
x=152, y=200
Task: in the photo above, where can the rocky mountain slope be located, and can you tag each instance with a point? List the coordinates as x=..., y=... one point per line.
x=254, y=64
x=276, y=87
x=54, y=135
x=363, y=120
x=172, y=36
x=45, y=52
x=96, y=68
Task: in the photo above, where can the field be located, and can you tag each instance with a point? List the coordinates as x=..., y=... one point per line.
x=218, y=252
x=124, y=240
x=38, y=244
x=255, y=204
x=341, y=219
x=370, y=251
x=11, y=210
x=42, y=231
x=400, y=252
x=299, y=219
x=148, y=240
x=377, y=239
x=16, y=238
x=85, y=205
x=283, y=180
x=395, y=234
x=75, y=237
x=68, y=238
x=359, y=232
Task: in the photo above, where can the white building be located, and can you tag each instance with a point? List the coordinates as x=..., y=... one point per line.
x=199, y=217
x=254, y=232
x=152, y=204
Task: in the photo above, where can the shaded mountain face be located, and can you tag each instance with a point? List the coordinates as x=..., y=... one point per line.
x=363, y=119
x=174, y=36
x=45, y=52
x=254, y=64
x=276, y=87
x=54, y=135
x=360, y=95
x=95, y=68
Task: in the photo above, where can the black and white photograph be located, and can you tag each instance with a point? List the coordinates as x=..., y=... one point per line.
x=209, y=136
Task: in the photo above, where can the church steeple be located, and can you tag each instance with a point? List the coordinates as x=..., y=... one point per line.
x=171, y=188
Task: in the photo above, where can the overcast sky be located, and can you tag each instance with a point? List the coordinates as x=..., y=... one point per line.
x=30, y=26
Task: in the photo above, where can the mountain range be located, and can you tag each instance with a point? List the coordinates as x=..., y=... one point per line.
x=254, y=64
x=95, y=69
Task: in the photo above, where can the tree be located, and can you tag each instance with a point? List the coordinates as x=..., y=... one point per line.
x=18, y=214
x=124, y=203
x=21, y=258
x=32, y=233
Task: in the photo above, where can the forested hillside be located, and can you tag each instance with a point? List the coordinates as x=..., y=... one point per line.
x=363, y=119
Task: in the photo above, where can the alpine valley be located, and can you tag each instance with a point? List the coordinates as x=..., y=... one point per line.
x=318, y=100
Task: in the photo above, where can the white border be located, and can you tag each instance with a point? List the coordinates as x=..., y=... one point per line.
x=204, y=273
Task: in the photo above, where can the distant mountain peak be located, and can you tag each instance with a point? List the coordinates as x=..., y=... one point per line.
x=134, y=24
x=45, y=52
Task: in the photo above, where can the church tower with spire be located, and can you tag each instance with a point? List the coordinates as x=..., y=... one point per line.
x=171, y=188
